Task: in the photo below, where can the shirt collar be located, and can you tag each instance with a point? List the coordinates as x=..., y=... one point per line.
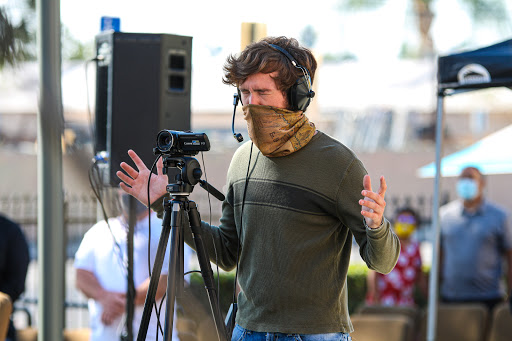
x=479, y=210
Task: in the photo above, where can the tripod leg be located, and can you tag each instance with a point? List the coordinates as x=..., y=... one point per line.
x=155, y=275
x=206, y=270
x=173, y=268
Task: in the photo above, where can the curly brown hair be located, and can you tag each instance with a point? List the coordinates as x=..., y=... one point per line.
x=261, y=57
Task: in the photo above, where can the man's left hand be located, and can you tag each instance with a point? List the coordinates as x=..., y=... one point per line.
x=373, y=204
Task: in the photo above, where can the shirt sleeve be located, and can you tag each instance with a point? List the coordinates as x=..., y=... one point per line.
x=378, y=247
x=84, y=256
x=13, y=283
x=507, y=233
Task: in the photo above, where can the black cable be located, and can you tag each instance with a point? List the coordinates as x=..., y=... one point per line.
x=210, y=222
x=96, y=185
x=241, y=220
x=237, y=136
x=157, y=310
x=149, y=212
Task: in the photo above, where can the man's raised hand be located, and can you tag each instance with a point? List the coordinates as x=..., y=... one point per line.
x=135, y=182
x=373, y=204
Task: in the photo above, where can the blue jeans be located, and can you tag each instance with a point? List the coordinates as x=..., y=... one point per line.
x=240, y=334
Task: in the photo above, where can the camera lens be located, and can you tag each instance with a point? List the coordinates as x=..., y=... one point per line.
x=164, y=141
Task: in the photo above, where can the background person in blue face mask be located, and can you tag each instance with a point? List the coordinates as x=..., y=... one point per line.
x=475, y=238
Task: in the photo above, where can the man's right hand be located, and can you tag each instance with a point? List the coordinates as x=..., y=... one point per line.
x=113, y=304
x=135, y=182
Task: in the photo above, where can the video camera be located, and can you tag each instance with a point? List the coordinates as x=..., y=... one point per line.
x=174, y=142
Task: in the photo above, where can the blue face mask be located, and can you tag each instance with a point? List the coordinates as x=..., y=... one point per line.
x=467, y=189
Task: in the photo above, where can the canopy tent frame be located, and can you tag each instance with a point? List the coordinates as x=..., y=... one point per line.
x=482, y=68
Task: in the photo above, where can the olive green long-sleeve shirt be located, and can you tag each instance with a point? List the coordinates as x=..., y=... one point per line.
x=299, y=216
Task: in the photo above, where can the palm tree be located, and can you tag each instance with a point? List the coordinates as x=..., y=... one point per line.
x=12, y=40
x=481, y=12
x=18, y=42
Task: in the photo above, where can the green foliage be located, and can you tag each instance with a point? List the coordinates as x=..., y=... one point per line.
x=428, y=3
x=12, y=40
x=308, y=36
x=360, y=5
x=481, y=12
x=408, y=52
x=356, y=282
x=341, y=57
x=73, y=49
x=226, y=285
x=18, y=40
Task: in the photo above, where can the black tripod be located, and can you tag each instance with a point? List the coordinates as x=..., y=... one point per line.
x=180, y=188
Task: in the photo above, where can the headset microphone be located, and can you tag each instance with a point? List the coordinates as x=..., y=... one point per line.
x=237, y=136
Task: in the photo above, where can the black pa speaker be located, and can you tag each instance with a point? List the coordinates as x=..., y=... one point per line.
x=142, y=87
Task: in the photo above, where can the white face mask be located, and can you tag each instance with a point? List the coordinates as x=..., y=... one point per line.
x=467, y=189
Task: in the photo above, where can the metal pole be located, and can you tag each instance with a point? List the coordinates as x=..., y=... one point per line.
x=130, y=292
x=51, y=236
x=434, y=273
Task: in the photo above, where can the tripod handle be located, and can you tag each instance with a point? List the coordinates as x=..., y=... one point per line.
x=212, y=190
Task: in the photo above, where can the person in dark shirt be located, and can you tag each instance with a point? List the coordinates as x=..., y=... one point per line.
x=14, y=259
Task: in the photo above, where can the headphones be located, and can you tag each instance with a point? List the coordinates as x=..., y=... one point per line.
x=299, y=95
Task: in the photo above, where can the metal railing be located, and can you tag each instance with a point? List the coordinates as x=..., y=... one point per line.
x=81, y=212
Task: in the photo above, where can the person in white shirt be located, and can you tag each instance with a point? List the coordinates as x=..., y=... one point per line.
x=101, y=273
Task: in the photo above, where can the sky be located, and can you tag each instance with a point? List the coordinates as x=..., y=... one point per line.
x=215, y=25
x=375, y=37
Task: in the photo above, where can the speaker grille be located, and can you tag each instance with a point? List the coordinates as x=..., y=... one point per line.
x=142, y=87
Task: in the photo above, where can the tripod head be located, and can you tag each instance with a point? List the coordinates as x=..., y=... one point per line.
x=187, y=173
x=184, y=172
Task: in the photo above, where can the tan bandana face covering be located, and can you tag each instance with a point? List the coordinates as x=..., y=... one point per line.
x=277, y=132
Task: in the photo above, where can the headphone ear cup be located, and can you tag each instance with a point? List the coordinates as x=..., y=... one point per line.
x=292, y=97
x=300, y=95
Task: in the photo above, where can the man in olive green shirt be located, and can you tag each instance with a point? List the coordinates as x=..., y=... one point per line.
x=304, y=196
